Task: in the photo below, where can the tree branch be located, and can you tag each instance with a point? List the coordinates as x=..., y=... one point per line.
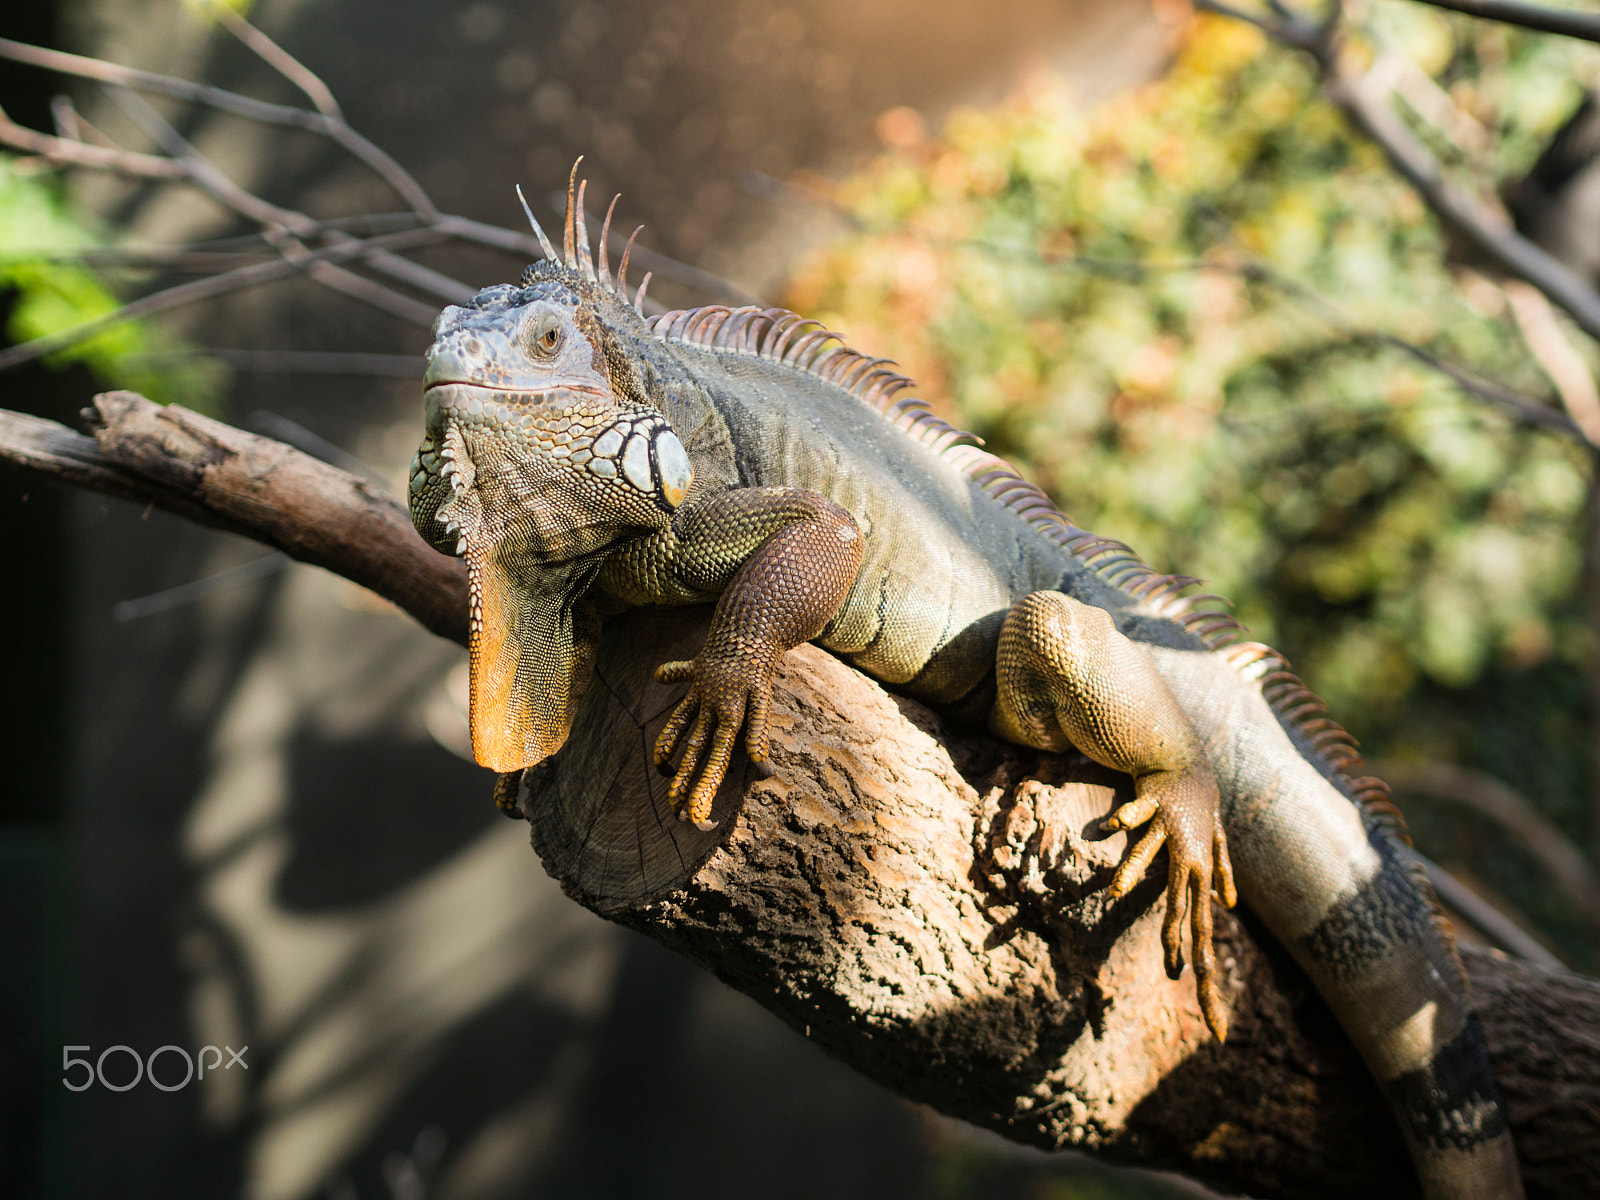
x=250, y=485
x=1557, y=854
x=1488, y=232
x=875, y=889
x=333, y=128
x=1565, y=22
x=1514, y=404
x=203, y=289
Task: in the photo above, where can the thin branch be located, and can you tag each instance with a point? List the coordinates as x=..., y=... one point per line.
x=1488, y=234
x=189, y=166
x=219, y=187
x=1567, y=23
x=309, y=441
x=1554, y=351
x=59, y=150
x=65, y=118
x=1500, y=929
x=396, y=176
x=198, y=589
x=1296, y=31
x=167, y=258
x=300, y=362
x=186, y=163
x=1514, y=403
x=1523, y=408
x=281, y=61
x=1555, y=853
x=199, y=170
x=214, y=285
x=1487, y=231
x=222, y=252
x=372, y=293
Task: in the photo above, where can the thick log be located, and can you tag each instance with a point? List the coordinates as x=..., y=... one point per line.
x=213, y=473
x=880, y=888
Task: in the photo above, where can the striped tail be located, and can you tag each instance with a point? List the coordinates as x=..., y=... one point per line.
x=1340, y=893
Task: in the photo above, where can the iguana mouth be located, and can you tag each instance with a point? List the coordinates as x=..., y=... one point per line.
x=478, y=386
x=506, y=408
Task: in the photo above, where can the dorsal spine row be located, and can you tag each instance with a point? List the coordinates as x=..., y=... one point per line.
x=781, y=336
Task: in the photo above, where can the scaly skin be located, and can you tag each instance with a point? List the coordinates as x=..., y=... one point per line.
x=584, y=460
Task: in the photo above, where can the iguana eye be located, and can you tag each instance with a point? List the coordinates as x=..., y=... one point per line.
x=547, y=338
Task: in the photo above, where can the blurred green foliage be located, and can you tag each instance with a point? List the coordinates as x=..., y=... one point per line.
x=1072, y=286
x=37, y=226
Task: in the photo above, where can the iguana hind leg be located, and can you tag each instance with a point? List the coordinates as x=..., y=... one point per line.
x=1066, y=678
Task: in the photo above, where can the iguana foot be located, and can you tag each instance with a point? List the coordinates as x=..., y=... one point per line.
x=1181, y=811
x=723, y=698
x=507, y=799
x=1068, y=678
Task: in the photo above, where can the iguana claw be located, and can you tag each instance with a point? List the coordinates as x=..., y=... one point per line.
x=1174, y=805
x=721, y=701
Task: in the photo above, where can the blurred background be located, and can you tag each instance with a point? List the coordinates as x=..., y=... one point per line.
x=1136, y=250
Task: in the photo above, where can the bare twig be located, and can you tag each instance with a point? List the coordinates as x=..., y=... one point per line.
x=1523, y=408
x=1289, y=28
x=285, y=230
x=199, y=589
x=65, y=118
x=60, y=150
x=301, y=362
x=197, y=168
x=337, y=131
x=280, y=61
x=220, y=253
x=297, y=435
x=1548, y=344
x=1498, y=928
x=1514, y=403
x=213, y=285
x=1556, y=853
x=1487, y=231
x=192, y=168
x=222, y=189
x=1565, y=22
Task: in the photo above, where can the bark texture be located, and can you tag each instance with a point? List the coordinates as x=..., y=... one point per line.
x=881, y=887
x=882, y=891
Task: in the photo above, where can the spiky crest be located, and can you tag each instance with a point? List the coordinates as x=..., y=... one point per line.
x=544, y=242
x=805, y=345
x=577, y=255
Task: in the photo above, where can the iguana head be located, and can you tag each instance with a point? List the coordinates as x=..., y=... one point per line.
x=542, y=449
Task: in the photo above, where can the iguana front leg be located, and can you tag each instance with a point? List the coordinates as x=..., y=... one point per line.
x=1067, y=678
x=784, y=560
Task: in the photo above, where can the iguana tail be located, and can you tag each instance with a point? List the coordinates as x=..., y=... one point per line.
x=1337, y=889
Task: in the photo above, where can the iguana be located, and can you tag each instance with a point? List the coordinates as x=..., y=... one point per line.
x=585, y=459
